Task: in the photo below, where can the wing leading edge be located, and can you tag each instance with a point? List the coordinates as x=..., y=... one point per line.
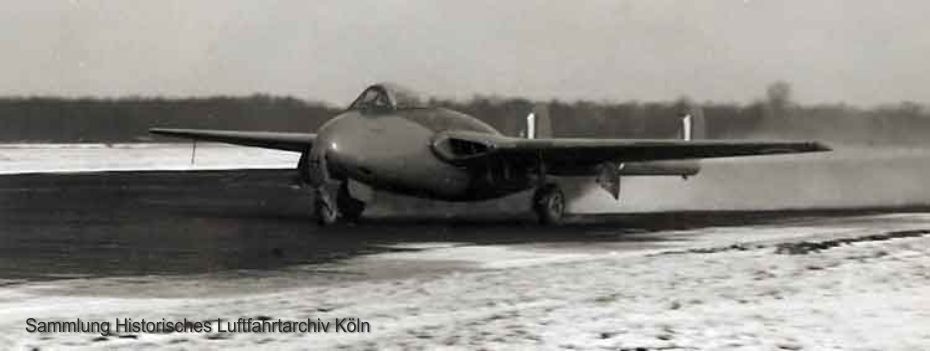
x=298, y=142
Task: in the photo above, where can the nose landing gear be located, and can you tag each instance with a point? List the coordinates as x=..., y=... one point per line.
x=329, y=211
x=549, y=204
x=350, y=207
x=324, y=208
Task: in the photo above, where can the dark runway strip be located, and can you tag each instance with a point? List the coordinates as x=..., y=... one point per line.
x=139, y=223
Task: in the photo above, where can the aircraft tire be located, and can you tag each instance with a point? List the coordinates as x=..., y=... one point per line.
x=549, y=204
x=324, y=210
x=350, y=208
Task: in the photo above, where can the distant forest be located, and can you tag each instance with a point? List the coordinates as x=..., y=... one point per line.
x=93, y=120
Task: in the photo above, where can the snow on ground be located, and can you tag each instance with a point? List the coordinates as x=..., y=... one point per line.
x=858, y=284
x=41, y=158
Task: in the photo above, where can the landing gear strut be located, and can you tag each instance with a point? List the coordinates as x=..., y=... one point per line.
x=329, y=211
x=549, y=204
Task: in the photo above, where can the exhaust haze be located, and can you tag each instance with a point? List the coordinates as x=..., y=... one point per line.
x=848, y=177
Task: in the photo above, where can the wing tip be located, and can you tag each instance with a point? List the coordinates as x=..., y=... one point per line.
x=819, y=147
x=803, y=147
x=168, y=132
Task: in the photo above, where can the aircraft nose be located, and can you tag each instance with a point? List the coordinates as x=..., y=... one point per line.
x=342, y=148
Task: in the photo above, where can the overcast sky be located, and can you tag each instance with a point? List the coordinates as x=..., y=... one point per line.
x=863, y=52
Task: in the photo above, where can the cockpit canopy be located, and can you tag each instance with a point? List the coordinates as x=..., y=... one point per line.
x=387, y=96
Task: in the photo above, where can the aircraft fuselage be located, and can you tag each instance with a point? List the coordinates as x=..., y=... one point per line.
x=393, y=151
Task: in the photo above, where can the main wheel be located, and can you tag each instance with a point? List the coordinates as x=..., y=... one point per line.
x=324, y=209
x=350, y=208
x=549, y=204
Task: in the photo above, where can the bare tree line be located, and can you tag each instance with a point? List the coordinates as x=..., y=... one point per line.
x=59, y=120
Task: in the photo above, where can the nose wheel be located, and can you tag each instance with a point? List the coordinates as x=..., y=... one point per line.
x=324, y=208
x=328, y=210
x=350, y=207
x=549, y=204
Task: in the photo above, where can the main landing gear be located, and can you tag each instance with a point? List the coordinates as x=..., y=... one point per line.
x=329, y=211
x=549, y=204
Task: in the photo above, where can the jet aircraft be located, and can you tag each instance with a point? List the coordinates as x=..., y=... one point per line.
x=389, y=140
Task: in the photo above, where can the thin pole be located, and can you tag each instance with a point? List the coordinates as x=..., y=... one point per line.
x=193, y=151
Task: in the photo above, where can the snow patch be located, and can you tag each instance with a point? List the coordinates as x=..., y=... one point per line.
x=865, y=295
x=71, y=158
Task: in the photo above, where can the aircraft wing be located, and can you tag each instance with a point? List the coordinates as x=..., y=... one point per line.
x=583, y=152
x=633, y=150
x=298, y=142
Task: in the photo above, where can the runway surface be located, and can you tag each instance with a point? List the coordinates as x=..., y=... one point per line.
x=175, y=223
x=241, y=244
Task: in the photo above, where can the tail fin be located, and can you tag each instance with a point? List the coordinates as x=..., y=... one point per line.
x=538, y=124
x=692, y=124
